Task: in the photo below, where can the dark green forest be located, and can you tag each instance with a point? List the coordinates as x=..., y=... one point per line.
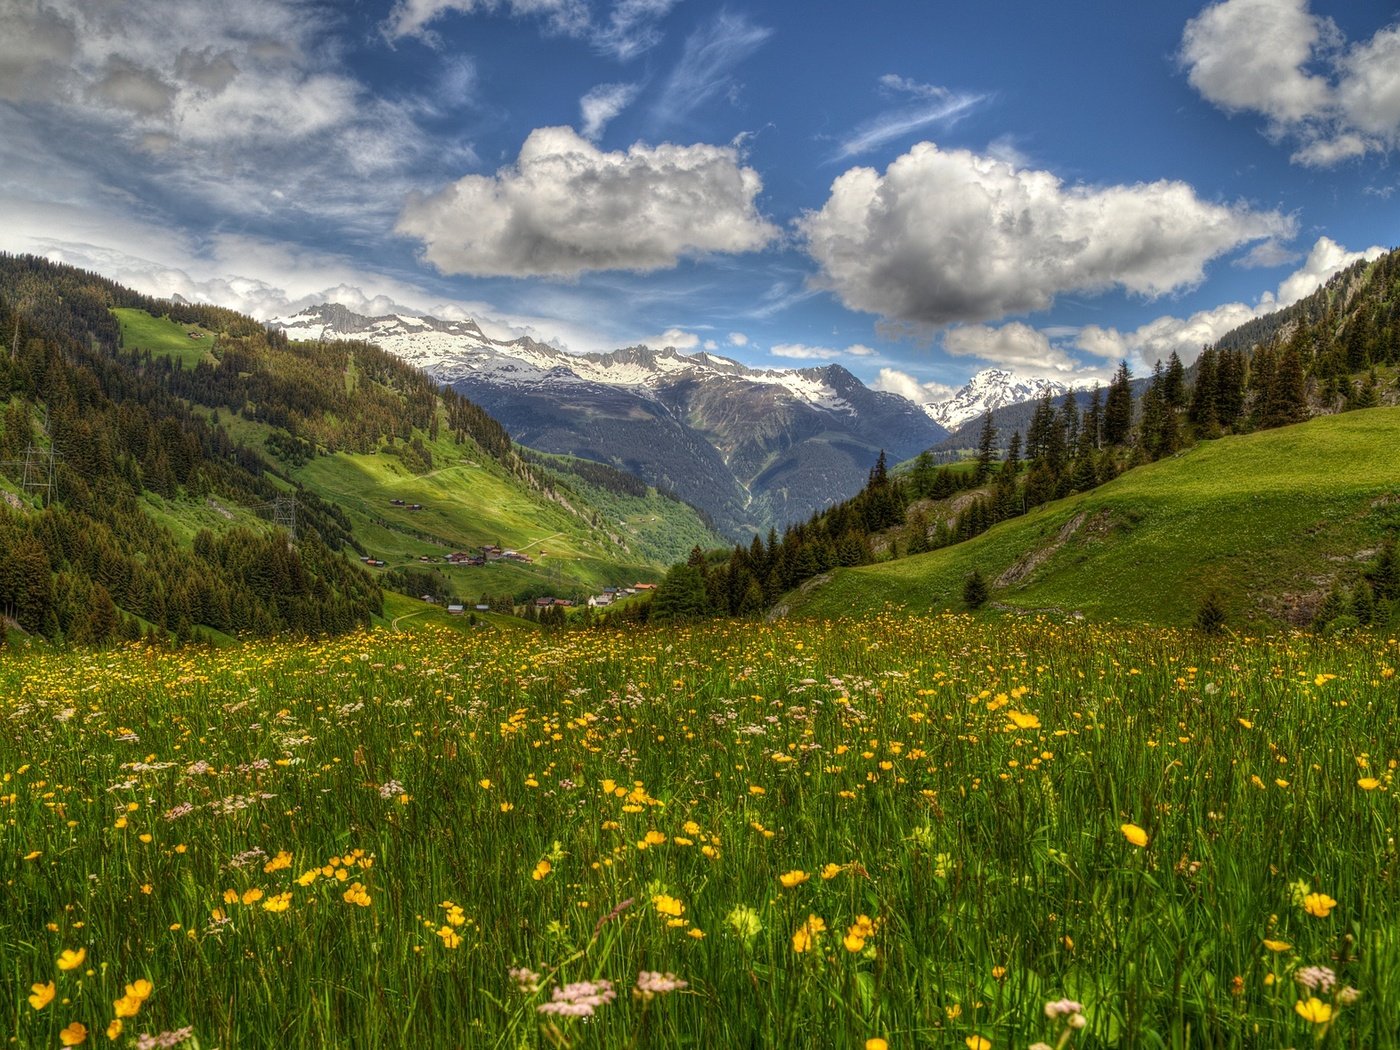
x=91, y=564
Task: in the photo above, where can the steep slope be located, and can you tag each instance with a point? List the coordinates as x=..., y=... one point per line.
x=752, y=447
x=183, y=437
x=1269, y=520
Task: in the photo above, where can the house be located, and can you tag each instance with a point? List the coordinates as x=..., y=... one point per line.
x=454, y=610
x=482, y=607
x=567, y=603
x=644, y=586
x=599, y=600
x=543, y=603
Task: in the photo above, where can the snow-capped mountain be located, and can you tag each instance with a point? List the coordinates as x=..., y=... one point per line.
x=454, y=351
x=987, y=391
x=752, y=447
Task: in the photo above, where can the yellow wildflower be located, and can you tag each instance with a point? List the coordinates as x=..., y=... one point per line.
x=40, y=995
x=1314, y=1010
x=789, y=879
x=1318, y=905
x=1133, y=834
x=74, y=1034
x=71, y=958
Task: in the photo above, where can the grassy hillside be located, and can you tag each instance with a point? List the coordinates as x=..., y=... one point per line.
x=1268, y=519
x=470, y=499
x=178, y=428
x=187, y=343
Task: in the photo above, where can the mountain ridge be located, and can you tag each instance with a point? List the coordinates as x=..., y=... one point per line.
x=752, y=447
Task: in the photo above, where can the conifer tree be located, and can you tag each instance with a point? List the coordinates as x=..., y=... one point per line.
x=974, y=593
x=1118, y=409
x=986, y=449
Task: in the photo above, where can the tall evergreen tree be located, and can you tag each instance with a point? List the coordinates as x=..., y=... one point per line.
x=986, y=448
x=1118, y=409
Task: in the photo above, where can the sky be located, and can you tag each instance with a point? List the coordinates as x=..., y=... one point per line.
x=913, y=190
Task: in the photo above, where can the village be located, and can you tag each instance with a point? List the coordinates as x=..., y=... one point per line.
x=489, y=554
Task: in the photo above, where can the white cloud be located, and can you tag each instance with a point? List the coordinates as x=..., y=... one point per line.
x=676, y=338
x=1267, y=254
x=413, y=17
x=706, y=65
x=887, y=127
x=1159, y=338
x=1335, y=100
x=632, y=27
x=604, y=102
x=1015, y=346
x=949, y=235
x=896, y=84
x=738, y=339
x=798, y=352
x=245, y=110
x=893, y=381
x=802, y=352
x=565, y=208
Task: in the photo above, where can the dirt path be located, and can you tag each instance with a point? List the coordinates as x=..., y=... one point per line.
x=406, y=616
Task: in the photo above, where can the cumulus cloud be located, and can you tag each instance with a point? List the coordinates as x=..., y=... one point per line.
x=1185, y=336
x=566, y=208
x=893, y=381
x=675, y=338
x=1016, y=346
x=948, y=235
x=1076, y=355
x=1333, y=99
x=604, y=102
x=738, y=339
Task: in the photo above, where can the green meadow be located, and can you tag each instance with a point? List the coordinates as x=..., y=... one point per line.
x=163, y=337
x=1266, y=520
x=891, y=831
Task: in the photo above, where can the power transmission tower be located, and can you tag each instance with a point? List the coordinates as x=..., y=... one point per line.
x=284, y=515
x=39, y=464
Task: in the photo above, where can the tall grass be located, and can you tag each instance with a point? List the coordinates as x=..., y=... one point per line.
x=916, y=830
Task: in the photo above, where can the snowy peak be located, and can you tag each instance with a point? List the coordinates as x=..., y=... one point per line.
x=456, y=351
x=987, y=391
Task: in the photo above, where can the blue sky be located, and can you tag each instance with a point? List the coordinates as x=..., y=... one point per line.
x=913, y=190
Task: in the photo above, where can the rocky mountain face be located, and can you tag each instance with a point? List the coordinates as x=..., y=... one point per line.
x=752, y=447
x=987, y=391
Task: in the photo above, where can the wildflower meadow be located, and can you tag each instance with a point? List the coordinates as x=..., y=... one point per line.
x=878, y=833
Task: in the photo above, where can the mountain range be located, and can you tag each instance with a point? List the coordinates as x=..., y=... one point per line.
x=752, y=447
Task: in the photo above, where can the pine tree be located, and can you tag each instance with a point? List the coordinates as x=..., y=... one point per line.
x=1210, y=617
x=986, y=449
x=1118, y=410
x=1203, y=413
x=974, y=593
x=1174, y=383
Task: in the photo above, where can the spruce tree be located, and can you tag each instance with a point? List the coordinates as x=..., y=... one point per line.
x=974, y=593
x=1118, y=410
x=986, y=448
x=1210, y=617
